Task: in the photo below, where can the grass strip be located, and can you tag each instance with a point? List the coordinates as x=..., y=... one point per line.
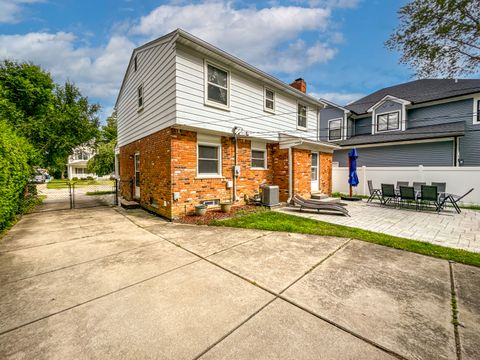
x=275, y=221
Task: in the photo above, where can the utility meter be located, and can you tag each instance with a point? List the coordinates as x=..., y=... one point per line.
x=236, y=170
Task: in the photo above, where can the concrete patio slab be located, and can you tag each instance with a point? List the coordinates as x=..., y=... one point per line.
x=174, y=316
x=142, y=218
x=19, y=264
x=276, y=260
x=31, y=299
x=398, y=299
x=283, y=331
x=467, y=282
x=204, y=240
x=461, y=231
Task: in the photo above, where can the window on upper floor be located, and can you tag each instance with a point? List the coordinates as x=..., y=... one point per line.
x=217, y=86
x=388, y=121
x=301, y=116
x=208, y=160
x=476, y=111
x=80, y=155
x=140, y=97
x=335, y=129
x=269, y=100
x=135, y=63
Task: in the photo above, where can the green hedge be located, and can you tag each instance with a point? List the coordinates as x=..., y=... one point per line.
x=16, y=155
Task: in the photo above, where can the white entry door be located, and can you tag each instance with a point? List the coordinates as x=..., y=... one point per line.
x=137, y=176
x=314, y=169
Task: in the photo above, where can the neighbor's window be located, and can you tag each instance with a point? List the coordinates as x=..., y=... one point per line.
x=259, y=159
x=140, y=96
x=269, y=104
x=335, y=129
x=390, y=121
x=302, y=116
x=478, y=110
x=217, y=85
x=208, y=160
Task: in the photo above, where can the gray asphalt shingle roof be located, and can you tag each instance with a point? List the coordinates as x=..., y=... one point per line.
x=419, y=91
x=424, y=132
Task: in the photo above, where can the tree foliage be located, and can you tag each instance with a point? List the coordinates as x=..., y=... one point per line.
x=439, y=37
x=53, y=118
x=103, y=163
x=16, y=159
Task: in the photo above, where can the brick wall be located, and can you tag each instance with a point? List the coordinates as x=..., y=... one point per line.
x=155, y=178
x=168, y=164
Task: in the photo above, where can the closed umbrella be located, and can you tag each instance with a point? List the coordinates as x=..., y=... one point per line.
x=352, y=169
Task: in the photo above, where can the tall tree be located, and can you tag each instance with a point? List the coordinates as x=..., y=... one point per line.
x=439, y=37
x=103, y=163
x=53, y=118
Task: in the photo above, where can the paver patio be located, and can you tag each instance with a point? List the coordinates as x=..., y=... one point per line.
x=109, y=283
x=461, y=231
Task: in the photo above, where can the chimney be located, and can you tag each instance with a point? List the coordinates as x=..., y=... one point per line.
x=300, y=84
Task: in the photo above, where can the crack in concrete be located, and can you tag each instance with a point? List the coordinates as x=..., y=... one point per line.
x=455, y=322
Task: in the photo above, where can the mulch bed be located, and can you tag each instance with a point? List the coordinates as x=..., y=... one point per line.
x=214, y=214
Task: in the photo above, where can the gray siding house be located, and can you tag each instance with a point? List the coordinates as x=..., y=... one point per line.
x=429, y=122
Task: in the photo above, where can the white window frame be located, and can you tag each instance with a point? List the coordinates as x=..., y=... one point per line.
x=135, y=63
x=476, y=110
x=140, y=107
x=306, y=116
x=341, y=129
x=274, y=100
x=205, y=81
x=219, y=167
x=399, y=117
x=265, y=163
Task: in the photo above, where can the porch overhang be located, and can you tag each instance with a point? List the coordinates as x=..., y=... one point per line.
x=289, y=141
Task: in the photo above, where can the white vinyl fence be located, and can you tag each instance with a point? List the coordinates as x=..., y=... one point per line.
x=459, y=179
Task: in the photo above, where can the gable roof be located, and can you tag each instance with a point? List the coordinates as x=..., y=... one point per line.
x=418, y=91
x=182, y=37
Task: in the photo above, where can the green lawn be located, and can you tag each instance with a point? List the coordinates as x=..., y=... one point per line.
x=62, y=184
x=100, y=192
x=275, y=221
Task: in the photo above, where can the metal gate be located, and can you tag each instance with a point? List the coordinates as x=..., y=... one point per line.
x=65, y=195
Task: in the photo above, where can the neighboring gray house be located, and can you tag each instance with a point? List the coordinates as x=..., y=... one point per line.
x=430, y=122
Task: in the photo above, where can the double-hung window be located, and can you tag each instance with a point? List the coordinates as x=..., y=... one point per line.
x=208, y=160
x=217, y=86
x=259, y=159
x=476, y=110
x=301, y=116
x=269, y=100
x=140, y=97
x=388, y=122
x=335, y=129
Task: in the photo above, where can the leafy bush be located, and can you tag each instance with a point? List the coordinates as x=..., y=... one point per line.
x=89, y=178
x=16, y=156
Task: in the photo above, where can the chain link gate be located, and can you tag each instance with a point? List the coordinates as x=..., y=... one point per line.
x=65, y=195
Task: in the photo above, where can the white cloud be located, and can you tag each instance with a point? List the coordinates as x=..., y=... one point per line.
x=11, y=10
x=265, y=37
x=97, y=71
x=337, y=97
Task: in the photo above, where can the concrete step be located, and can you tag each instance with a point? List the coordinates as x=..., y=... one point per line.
x=127, y=204
x=318, y=196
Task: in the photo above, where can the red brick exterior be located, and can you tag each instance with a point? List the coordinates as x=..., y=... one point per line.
x=168, y=165
x=325, y=185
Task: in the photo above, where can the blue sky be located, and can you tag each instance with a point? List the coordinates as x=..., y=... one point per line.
x=335, y=45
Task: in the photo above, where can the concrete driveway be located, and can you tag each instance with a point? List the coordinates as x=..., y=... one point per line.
x=110, y=284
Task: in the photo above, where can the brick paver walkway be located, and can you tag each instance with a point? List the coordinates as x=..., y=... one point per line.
x=447, y=228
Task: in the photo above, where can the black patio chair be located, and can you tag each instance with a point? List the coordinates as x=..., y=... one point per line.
x=408, y=195
x=442, y=188
x=454, y=199
x=388, y=194
x=428, y=195
x=418, y=186
x=373, y=192
x=402, y=183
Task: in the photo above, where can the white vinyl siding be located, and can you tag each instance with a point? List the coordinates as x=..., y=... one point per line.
x=156, y=71
x=246, y=103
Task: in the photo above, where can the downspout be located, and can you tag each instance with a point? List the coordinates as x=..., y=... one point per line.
x=234, y=196
x=290, y=175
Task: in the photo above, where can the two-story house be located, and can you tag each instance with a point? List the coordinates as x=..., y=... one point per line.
x=198, y=125
x=429, y=122
x=77, y=162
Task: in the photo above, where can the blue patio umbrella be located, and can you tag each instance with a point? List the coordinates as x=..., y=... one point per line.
x=352, y=169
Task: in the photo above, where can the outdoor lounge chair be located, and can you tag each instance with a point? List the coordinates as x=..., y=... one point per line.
x=408, y=195
x=319, y=206
x=429, y=194
x=388, y=194
x=374, y=193
x=454, y=199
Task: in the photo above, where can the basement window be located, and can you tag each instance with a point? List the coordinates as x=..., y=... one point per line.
x=213, y=202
